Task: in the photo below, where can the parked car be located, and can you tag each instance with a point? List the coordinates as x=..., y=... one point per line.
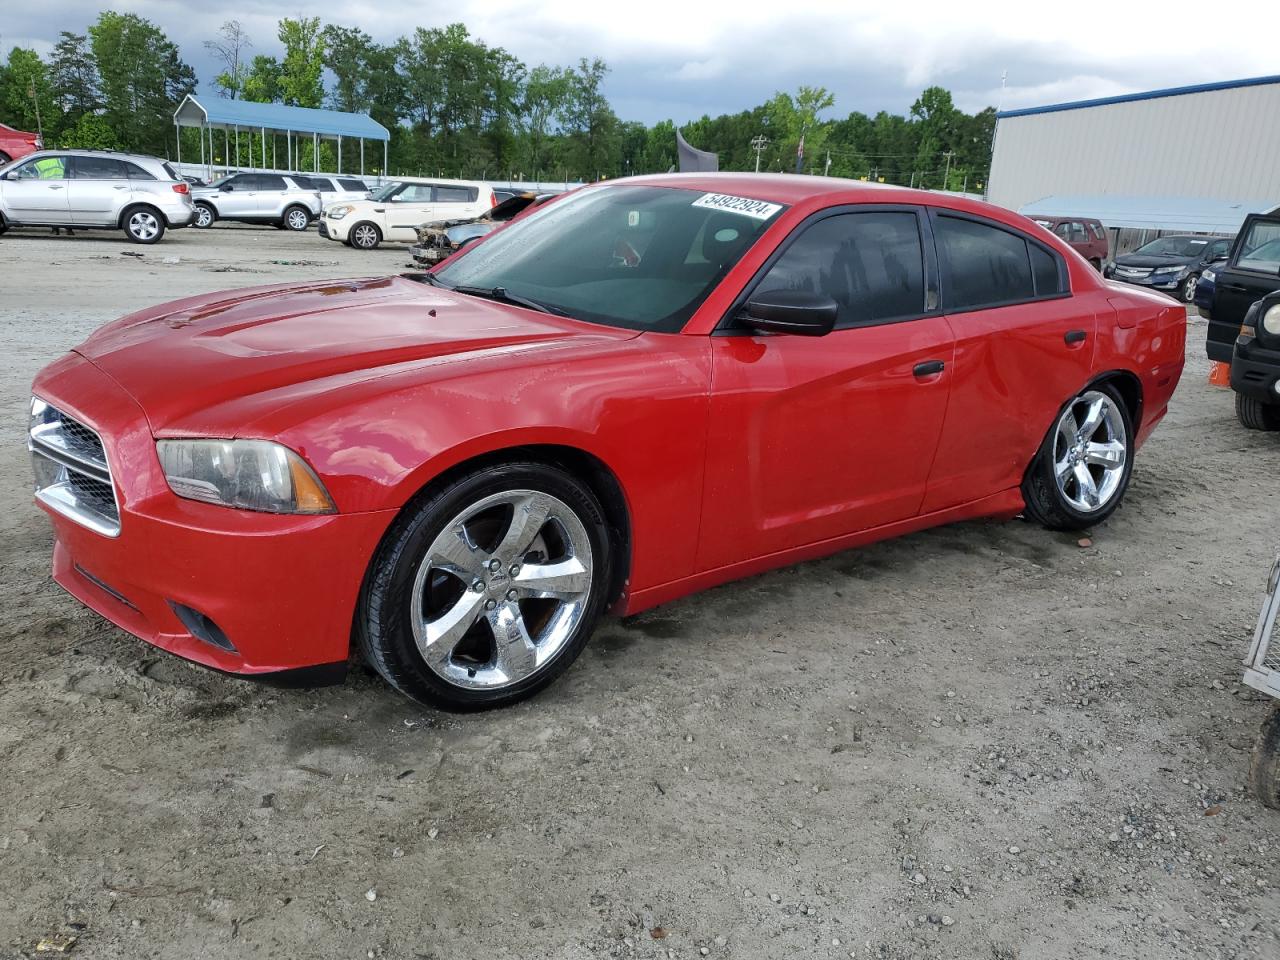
x=1086, y=237
x=646, y=388
x=1251, y=271
x=443, y=238
x=1172, y=264
x=16, y=144
x=86, y=189
x=1262, y=672
x=1255, y=361
x=335, y=189
x=258, y=198
x=393, y=213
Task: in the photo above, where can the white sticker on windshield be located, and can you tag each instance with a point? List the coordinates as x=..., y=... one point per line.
x=755, y=209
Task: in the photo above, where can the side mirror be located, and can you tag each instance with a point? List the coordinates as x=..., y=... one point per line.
x=226, y=188
x=797, y=312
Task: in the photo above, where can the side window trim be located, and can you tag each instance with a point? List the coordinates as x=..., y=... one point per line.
x=1064, y=278
x=726, y=325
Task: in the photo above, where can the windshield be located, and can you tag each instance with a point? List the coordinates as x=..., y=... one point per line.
x=1174, y=247
x=628, y=256
x=385, y=191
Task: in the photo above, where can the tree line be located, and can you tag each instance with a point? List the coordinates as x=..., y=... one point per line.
x=458, y=106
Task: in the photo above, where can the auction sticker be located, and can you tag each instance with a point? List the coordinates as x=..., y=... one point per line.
x=755, y=209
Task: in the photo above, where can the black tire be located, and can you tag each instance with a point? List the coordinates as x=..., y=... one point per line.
x=383, y=620
x=142, y=224
x=1256, y=415
x=1187, y=292
x=364, y=239
x=206, y=216
x=1045, y=503
x=296, y=218
x=1264, y=769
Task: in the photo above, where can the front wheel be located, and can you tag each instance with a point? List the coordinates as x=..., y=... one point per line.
x=1264, y=770
x=1188, y=291
x=1256, y=415
x=488, y=589
x=296, y=219
x=143, y=225
x=364, y=236
x=1082, y=469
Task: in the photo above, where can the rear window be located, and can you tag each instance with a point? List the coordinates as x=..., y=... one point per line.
x=169, y=172
x=455, y=194
x=987, y=265
x=135, y=172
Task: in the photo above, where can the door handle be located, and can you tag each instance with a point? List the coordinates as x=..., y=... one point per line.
x=929, y=368
x=1074, y=336
x=55, y=186
x=119, y=186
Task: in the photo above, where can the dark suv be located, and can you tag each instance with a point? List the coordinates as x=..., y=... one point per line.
x=1086, y=237
x=1170, y=264
x=1250, y=272
x=1255, y=364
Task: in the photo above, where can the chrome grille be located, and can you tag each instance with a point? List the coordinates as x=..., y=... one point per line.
x=71, y=471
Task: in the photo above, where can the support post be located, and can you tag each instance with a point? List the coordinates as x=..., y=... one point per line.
x=177, y=133
x=264, y=148
x=384, y=158
x=362, y=156
x=315, y=152
x=237, y=146
x=339, y=155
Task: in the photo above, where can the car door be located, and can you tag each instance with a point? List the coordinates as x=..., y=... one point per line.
x=236, y=197
x=1248, y=276
x=268, y=195
x=97, y=189
x=818, y=437
x=410, y=206
x=1023, y=347
x=36, y=191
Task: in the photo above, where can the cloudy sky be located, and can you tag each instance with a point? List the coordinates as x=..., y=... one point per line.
x=679, y=59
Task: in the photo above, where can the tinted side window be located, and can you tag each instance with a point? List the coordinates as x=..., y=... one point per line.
x=1097, y=231
x=269, y=182
x=97, y=168
x=871, y=264
x=353, y=185
x=413, y=193
x=135, y=172
x=1077, y=233
x=1063, y=230
x=1045, y=272
x=455, y=194
x=984, y=265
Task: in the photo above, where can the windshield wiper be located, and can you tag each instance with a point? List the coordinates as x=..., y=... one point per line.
x=502, y=295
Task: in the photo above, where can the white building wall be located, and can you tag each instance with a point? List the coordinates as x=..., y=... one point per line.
x=1223, y=144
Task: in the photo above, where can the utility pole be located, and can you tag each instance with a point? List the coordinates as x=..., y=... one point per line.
x=758, y=144
x=35, y=100
x=946, y=177
x=826, y=170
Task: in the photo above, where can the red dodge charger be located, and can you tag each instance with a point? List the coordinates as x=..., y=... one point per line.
x=642, y=389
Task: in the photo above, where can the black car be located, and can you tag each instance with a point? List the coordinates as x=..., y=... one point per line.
x=1172, y=264
x=1249, y=274
x=1255, y=364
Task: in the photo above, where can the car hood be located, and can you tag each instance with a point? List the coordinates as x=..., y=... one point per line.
x=184, y=357
x=1134, y=260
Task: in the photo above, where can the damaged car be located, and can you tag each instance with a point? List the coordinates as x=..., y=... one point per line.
x=443, y=238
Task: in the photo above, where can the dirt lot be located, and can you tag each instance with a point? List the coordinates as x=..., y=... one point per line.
x=983, y=741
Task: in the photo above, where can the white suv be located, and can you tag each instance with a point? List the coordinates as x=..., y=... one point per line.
x=288, y=202
x=94, y=189
x=394, y=212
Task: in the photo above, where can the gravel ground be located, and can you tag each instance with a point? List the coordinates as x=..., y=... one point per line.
x=983, y=741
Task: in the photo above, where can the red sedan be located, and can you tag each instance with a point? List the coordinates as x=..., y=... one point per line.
x=642, y=389
x=17, y=143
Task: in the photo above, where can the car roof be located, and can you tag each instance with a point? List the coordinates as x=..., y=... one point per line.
x=76, y=152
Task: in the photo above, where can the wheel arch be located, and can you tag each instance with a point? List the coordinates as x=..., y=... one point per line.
x=1129, y=386
x=139, y=205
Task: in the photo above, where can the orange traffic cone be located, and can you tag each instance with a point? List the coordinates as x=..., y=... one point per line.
x=1219, y=374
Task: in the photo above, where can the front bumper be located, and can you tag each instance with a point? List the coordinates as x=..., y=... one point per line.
x=1165, y=283
x=281, y=590
x=428, y=256
x=333, y=229
x=1255, y=371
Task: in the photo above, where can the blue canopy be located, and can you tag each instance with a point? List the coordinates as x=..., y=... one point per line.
x=278, y=118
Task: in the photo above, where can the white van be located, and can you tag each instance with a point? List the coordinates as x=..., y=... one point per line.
x=393, y=213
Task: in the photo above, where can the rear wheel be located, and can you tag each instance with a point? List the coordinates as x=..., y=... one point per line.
x=1264, y=770
x=296, y=218
x=1082, y=469
x=487, y=590
x=143, y=224
x=365, y=236
x=1255, y=414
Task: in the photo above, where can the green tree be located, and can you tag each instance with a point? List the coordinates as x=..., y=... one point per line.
x=347, y=55
x=262, y=82
x=26, y=93
x=302, y=69
x=590, y=125
x=74, y=76
x=231, y=50
x=143, y=78
x=795, y=120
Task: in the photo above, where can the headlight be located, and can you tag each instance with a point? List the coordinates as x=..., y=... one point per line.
x=1208, y=275
x=249, y=474
x=1164, y=271
x=338, y=212
x=1271, y=321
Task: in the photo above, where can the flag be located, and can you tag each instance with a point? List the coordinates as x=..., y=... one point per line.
x=800, y=154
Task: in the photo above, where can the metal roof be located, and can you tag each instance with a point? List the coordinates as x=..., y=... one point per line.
x=1149, y=95
x=1192, y=214
x=277, y=117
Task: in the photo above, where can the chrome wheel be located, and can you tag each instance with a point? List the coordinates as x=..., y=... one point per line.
x=365, y=236
x=297, y=219
x=204, y=217
x=1189, y=289
x=143, y=225
x=1089, y=451
x=501, y=589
